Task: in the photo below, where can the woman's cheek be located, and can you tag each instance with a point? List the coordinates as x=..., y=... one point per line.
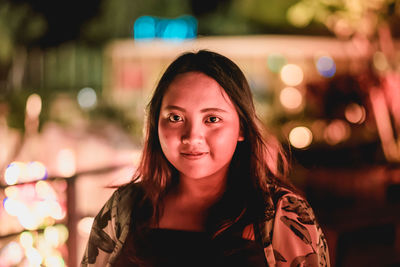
x=162, y=133
x=167, y=135
x=225, y=137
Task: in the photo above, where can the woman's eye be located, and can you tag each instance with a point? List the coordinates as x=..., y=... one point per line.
x=213, y=119
x=174, y=118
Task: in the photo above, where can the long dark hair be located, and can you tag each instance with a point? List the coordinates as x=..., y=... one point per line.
x=258, y=161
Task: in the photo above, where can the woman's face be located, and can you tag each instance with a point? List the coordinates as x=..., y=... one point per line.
x=198, y=127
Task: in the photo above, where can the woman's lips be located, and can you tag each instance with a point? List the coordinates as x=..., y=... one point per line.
x=194, y=155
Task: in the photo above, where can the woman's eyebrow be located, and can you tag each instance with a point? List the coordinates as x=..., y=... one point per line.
x=213, y=110
x=169, y=107
x=204, y=110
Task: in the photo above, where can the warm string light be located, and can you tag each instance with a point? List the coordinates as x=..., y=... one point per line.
x=19, y=172
x=291, y=99
x=66, y=162
x=33, y=205
x=291, y=74
x=355, y=113
x=336, y=132
x=85, y=225
x=11, y=254
x=300, y=137
x=36, y=249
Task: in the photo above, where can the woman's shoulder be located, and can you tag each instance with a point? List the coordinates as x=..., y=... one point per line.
x=123, y=196
x=293, y=232
x=288, y=207
x=129, y=191
x=290, y=203
x=111, y=226
x=280, y=191
x=293, y=203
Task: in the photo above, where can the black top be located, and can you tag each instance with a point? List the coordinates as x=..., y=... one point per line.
x=167, y=247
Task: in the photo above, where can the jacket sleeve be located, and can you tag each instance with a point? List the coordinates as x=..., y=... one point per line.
x=297, y=238
x=104, y=240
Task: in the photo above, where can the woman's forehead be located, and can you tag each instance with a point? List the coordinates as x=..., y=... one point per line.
x=196, y=90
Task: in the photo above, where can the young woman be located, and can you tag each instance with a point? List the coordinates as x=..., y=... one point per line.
x=210, y=189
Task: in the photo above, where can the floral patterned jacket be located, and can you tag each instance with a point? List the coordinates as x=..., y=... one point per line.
x=290, y=233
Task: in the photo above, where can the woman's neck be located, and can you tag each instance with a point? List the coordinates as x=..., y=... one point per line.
x=200, y=193
x=186, y=206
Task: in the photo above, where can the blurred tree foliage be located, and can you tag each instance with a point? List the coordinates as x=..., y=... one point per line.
x=347, y=18
x=20, y=26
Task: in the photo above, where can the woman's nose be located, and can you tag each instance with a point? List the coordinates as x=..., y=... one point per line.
x=193, y=134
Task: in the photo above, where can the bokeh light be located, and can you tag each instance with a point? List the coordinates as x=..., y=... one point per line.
x=56, y=211
x=317, y=128
x=292, y=74
x=26, y=239
x=291, y=98
x=36, y=171
x=355, y=113
x=52, y=237
x=33, y=106
x=337, y=131
x=145, y=28
x=18, y=172
x=11, y=191
x=300, y=137
x=34, y=257
x=13, y=206
x=13, y=172
x=66, y=163
x=28, y=218
x=300, y=14
x=326, y=66
x=342, y=27
x=11, y=254
x=175, y=30
x=54, y=261
x=380, y=62
x=85, y=225
x=275, y=62
x=62, y=233
x=45, y=191
x=87, y=98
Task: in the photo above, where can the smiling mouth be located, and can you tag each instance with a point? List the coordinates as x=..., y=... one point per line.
x=194, y=156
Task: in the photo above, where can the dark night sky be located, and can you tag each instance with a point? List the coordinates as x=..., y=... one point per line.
x=64, y=18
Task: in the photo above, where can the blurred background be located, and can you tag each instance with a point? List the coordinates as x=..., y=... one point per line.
x=75, y=77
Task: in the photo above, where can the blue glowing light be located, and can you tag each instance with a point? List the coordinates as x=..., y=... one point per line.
x=175, y=30
x=145, y=28
x=326, y=66
x=181, y=28
x=4, y=202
